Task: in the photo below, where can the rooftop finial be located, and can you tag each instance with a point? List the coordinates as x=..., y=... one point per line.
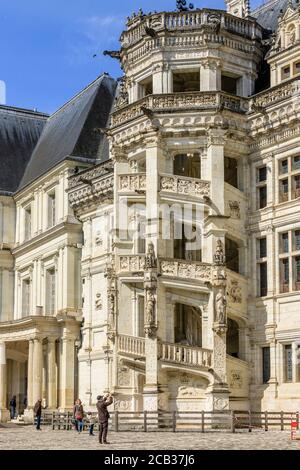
x=181, y=5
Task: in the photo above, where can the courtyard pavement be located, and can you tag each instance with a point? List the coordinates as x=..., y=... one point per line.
x=13, y=437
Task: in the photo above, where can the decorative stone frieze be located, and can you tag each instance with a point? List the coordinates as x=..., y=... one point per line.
x=186, y=270
x=133, y=182
x=178, y=101
x=184, y=186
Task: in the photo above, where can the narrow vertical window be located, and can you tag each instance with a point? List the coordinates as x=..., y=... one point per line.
x=284, y=275
x=297, y=272
x=27, y=223
x=266, y=363
x=50, y=292
x=285, y=242
x=263, y=279
x=297, y=240
x=51, y=210
x=288, y=363
x=284, y=190
x=26, y=297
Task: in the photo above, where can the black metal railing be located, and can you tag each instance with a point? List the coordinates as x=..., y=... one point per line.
x=180, y=421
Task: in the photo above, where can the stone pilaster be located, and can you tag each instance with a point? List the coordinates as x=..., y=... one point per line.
x=4, y=414
x=37, y=369
x=218, y=392
x=67, y=368
x=151, y=344
x=51, y=366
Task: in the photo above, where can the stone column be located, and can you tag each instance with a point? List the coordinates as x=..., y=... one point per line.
x=37, y=369
x=215, y=168
x=218, y=392
x=51, y=366
x=30, y=399
x=4, y=414
x=67, y=366
x=210, y=75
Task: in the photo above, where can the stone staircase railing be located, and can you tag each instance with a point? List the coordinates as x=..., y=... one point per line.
x=186, y=355
x=169, y=352
x=132, y=345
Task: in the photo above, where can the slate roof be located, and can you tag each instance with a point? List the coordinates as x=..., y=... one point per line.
x=267, y=14
x=73, y=131
x=20, y=130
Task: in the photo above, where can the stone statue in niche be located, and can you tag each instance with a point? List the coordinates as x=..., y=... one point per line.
x=150, y=257
x=98, y=301
x=122, y=99
x=111, y=309
x=219, y=257
x=221, y=307
x=150, y=308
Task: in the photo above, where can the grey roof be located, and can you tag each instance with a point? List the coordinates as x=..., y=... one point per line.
x=73, y=131
x=268, y=13
x=20, y=130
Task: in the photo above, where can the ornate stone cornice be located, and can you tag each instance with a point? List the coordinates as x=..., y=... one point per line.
x=95, y=192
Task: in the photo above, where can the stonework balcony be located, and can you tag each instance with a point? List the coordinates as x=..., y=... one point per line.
x=198, y=20
x=178, y=186
x=275, y=94
x=169, y=353
x=185, y=270
x=132, y=183
x=186, y=355
x=131, y=346
x=185, y=101
x=131, y=264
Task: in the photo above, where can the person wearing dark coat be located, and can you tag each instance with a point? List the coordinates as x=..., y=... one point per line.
x=38, y=413
x=103, y=416
x=12, y=407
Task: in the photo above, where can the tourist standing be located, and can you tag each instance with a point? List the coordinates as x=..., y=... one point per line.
x=38, y=413
x=78, y=415
x=12, y=407
x=91, y=422
x=103, y=416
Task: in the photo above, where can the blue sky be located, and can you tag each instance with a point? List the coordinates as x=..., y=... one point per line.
x=47, y=46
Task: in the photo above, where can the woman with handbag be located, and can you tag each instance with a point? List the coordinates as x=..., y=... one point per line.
x=78, y=415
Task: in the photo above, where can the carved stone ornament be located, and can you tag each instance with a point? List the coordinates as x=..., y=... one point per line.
x=151, y=261
x=124, y=376
x=219, y=256
x=122, y=98
x=236, y=379
x=98, y=301
x=235, y=210
x=150, y=323
x=99, y=239
x=220, y=307
x=235, y=292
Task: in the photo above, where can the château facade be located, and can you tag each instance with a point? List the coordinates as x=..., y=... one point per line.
x=102, y=285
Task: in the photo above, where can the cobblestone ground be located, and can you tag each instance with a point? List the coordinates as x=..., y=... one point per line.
x=25, y=437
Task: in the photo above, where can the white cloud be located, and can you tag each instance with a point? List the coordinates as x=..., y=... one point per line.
x=2, y=92
x=93, y=35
